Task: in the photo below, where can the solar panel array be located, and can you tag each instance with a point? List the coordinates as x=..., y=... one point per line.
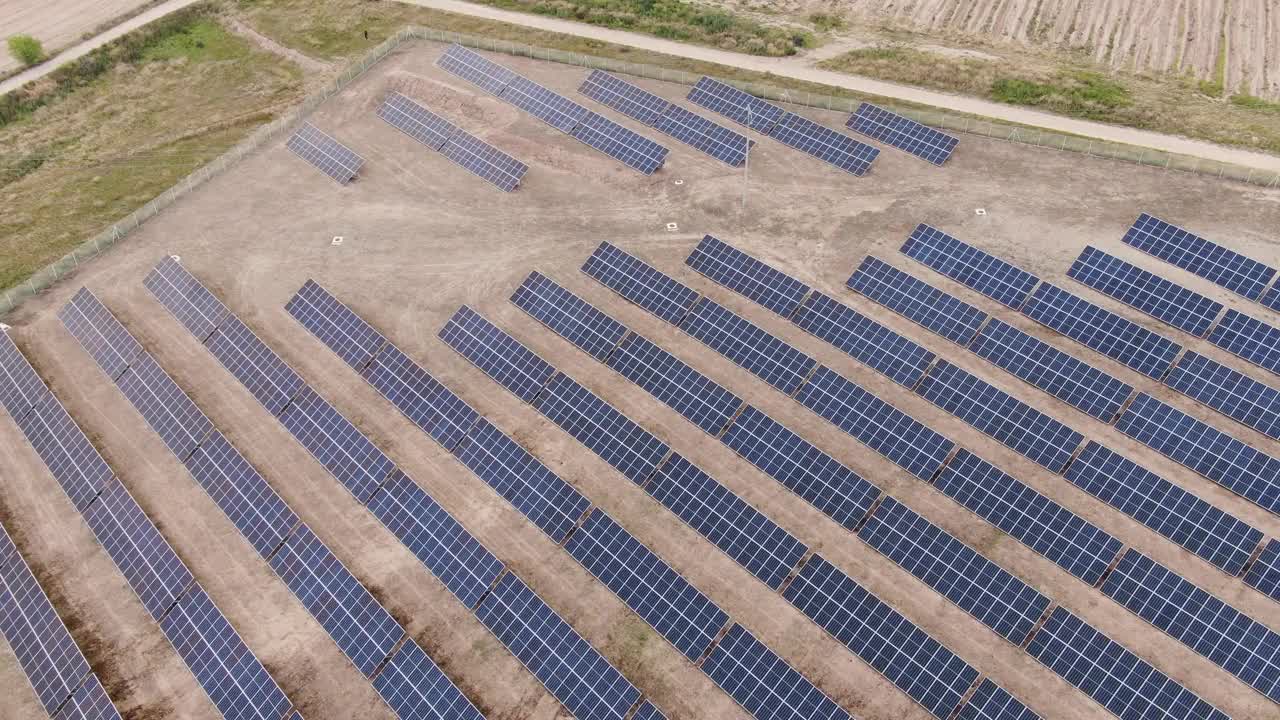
x=499, y=355
x=740, y=107
x=917, y=301
x=903, y=133
x=1265, y=572
x=475, y=69
x=876, y=346
x=696, y=397
x=320, y=149
x=1249, y=338
x=641, y=283
x=762, y=354
x=1007, y=284
x=1163, y=300
x=1199, y=256
x=992, y=702
x=764, y=683
x=90, y=702
x=1271, y=298
x=747, y=276
x=1228, y=391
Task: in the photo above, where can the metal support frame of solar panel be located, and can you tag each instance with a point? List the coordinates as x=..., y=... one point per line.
x=1215, y=263
x=978, y=270
x=755, y=350
x=1147, y=292
x=328, y=155
x=916, y=300
x=641, y=283
x=865, y=340
x=1264, y=574
x=475, y=69
x=1234, y=394
x=1249, y=338
x=764, y=683
x=822, y=142
x=1225, y=636
x=903, y=133
x=747, y=276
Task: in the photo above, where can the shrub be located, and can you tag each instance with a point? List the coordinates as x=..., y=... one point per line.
x=825, y=22
x=26, y=49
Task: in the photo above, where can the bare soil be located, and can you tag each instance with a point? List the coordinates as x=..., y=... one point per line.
x=57, y=23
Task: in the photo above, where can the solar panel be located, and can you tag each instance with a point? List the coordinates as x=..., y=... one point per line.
x=250, y=503
x=261, y=371
x=579, y=677
x=969, y=266
x=1231, y=393
x=1147, y=292
x=20, y=387
x=880, y=426
x=740, y=272
x=762, y=354
x=604, y=430
x=902, y=133
x=1264, y=575
x=626, y=145
x=1271, y=298
x=362, y=628
x=1102, y=330
x=336, y=444
x=1250, y=339
x=802, y=468
x=71, y=458
x=1074, y=544
x=614, y=92
x=992, y=702
x=330, y=156
x=647, y=584
x=499, y=355
x=863, y=339
x=569, y=316
x=697, y=398
x=415, y=687
x=90, y=702
x=420, y=397
x=415, y=120
x=485, y=160
x=1115, y=678
x=1199, y=256
x=738, y=106
x=640, y=283
x=99, y=333
x=335, y=325
x=742, y=532
x=439, y=542
x=917, y=301
x=476, y=69
x=539, y=494
x=907, y=656
x=556, y=110
x=1164, y=507
x=700, y=133
x=764, y=683
x=978, y=586
x=998, y=414
x=165, y=407
x=189, y=301
x=1060, y=374
x=844, y=152
x=648, y=711
x=1245, y=471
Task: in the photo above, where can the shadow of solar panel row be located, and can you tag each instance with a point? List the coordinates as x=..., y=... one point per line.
x=456, y=144
x=1231, y=393
x=761, y=353
x=1102, y=330
x=99, y=332
x=1199, y=256
x=569, y=316
x=764, y=683
x=618, y=141
x=475, y=69
x=747, y=276
x=90, y=702
x=1230, y=639
x=639, y=282
x=1250, y=339
x=998, y=414
x=1187, y=520
x=1245, y=471
x=1115, y=678
x=992, y=702
x=330, y=156
x=499, y=355
x=1163, y=300
x=969, y=266
x=858, y=336
x=903, y=133
x=978, y=586
x=917, y=301
x=1070, y=542
x=1264, y=575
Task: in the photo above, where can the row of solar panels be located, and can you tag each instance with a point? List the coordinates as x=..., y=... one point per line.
x=1086, y=555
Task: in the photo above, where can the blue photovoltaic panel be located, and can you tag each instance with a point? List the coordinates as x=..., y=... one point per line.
x=902, y=133
x=1231, y=393
x=152, y=568
x=978, y=586
x=700, y=133
x=639, y=282
x=260, y=370
x=415, y=121
x=361, y=627
x=822, y=142
x=499, y=355
x=335, y=325
x=579, y=677
x=648, y=711
x=1272, y=298
x=740, y=107
x=189, y=301
x=743, y=274
x=237, y=683
x=70, y=457
x=336, y=444
x=618, y=141
x=863, y=339
x=569, y=316
x=804, y=469
x=917, y=301
x=648, y=585
x=451, y=553
x=555, y=110
x=599, y=426
x=330, y=156
x=1265, y=573
x=1060, y=374
x=423, y=399
x=539, y=494
x=165, y=407
x=614, y=92
x=417, y=689
x=1102, y=330
x=880, y=426
x=1147, y=292
x=255, y=509
x=1250, y=339
x=1245, y=471
x=1000, y=415
x=969, y=266
x=99, y=332
x=1230, y=639
x=90, y=702
x=1197, y=255
x=485, y=160
x=920, y=666
x=764, y=683
x=762, y=354
x=478, y=70
x=1187, y=520
x=992, y=702
x=20, y=387
x=742, y=532
x=695, y=396
x=1074, y=544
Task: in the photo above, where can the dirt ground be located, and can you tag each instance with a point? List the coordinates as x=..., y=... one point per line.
x=57, y=23
x=422, y=236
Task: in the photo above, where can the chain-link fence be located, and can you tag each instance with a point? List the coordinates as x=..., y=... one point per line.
x=935, y=118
